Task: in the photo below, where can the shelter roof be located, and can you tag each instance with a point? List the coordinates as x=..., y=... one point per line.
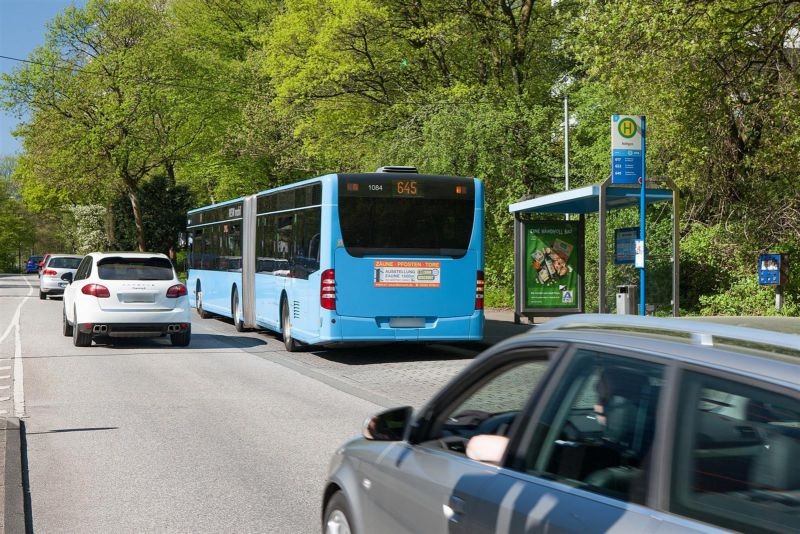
x=587, y=200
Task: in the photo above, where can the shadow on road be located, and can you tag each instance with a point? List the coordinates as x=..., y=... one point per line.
x=380, y=354
x=199, y=341
x=62, y=430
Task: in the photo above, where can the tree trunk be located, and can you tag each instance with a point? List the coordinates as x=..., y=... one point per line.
x=137, y=217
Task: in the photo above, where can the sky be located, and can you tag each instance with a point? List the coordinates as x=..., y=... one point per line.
x=23, y=25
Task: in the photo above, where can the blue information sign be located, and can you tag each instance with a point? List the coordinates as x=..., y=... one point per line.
x=627, y=149
x=624, y=244
x=626, y=166
x=772, y=269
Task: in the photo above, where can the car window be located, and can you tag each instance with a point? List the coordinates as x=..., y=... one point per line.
x=488, y=407
x=597, y=429
x=116, y=268
x=736, y=456
x=64, y=263
x=83, y=269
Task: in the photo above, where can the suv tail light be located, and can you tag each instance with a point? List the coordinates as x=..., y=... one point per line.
x=327, y=290
x=178, y=290
x=479, y=291
x=49, y=272
x=96, y=290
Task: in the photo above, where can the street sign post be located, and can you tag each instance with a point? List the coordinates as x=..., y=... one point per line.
x=628, y=148
x=773, y=270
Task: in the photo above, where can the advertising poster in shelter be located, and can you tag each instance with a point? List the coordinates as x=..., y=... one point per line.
x=552, y=263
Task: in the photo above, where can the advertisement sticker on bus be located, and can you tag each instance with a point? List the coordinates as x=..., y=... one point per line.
x=407, y=273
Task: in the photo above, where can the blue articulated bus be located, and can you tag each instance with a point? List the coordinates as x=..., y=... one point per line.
x=386, y=256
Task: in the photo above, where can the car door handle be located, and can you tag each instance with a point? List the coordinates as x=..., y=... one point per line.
x=456, y=505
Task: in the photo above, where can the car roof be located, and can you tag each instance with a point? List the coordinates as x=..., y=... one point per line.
x=770, y=355
x=101, y=255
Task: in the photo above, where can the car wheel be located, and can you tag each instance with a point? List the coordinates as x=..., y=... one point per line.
x=286, y=329
x=66, y=327
x=337, y=516
x=42, y=295
x=199, y=304
x=181, y=339
x=79, y=339
x=237, y=319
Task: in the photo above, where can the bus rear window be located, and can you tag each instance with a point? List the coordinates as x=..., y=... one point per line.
x=406, y=214
x=134, y=269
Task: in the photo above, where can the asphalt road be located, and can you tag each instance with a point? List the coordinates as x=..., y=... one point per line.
x=231, y=434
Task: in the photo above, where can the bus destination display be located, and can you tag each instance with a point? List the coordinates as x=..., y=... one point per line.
x=406, y=188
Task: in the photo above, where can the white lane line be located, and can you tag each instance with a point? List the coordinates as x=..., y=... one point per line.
x=15, y=319
x=5, y=377
x=5, y=387
x=19, y=378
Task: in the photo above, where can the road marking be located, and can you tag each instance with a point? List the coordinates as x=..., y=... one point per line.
x=5, y=368
x=3, y=399
x=19, y=379
x=5, y=387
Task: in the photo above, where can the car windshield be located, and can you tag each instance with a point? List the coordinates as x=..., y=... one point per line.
x=135, y=269
x=64, y=263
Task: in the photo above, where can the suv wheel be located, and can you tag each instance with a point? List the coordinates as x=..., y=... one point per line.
x=181, y=339
x=79, y=339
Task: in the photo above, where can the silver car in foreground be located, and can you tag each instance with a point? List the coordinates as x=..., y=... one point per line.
x=589, y=424
x=52, y=281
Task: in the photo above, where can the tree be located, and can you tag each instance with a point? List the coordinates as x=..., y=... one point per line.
x=16, y=229
x=104, y=109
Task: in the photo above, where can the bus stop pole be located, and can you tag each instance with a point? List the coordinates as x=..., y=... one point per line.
x=676, y=249
x=642, y=220
x=601, y=266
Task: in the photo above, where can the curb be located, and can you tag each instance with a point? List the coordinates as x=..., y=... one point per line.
x=17, y=497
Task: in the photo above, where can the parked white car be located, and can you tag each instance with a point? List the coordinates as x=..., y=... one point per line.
x=52, y=281
x=126, y=294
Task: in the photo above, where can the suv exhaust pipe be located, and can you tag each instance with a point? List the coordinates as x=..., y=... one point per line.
x=100, y=329
x=173, y=328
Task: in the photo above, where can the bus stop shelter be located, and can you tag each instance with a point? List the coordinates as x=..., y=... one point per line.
x=597, y=198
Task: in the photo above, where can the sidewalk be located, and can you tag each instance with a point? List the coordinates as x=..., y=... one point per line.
x=500, y=325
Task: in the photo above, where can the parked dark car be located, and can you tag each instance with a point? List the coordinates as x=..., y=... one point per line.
x=32, y=265
x=589, y=424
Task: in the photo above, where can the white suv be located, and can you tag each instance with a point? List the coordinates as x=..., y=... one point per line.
x=126, y=294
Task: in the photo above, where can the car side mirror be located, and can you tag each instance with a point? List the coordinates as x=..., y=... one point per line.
x=67, y=277
x=389, y=425
x=487, y=448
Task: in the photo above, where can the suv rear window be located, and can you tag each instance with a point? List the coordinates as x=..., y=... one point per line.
x=411, y=214
x=64, y=263
x=135, y=269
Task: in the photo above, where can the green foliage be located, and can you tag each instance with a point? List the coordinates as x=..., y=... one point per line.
x=129, y=99
x=88, y=232
x=164, y=208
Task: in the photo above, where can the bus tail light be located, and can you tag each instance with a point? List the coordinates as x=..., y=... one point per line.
x=96, y=290
x=479, y=291
x=327, y=290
